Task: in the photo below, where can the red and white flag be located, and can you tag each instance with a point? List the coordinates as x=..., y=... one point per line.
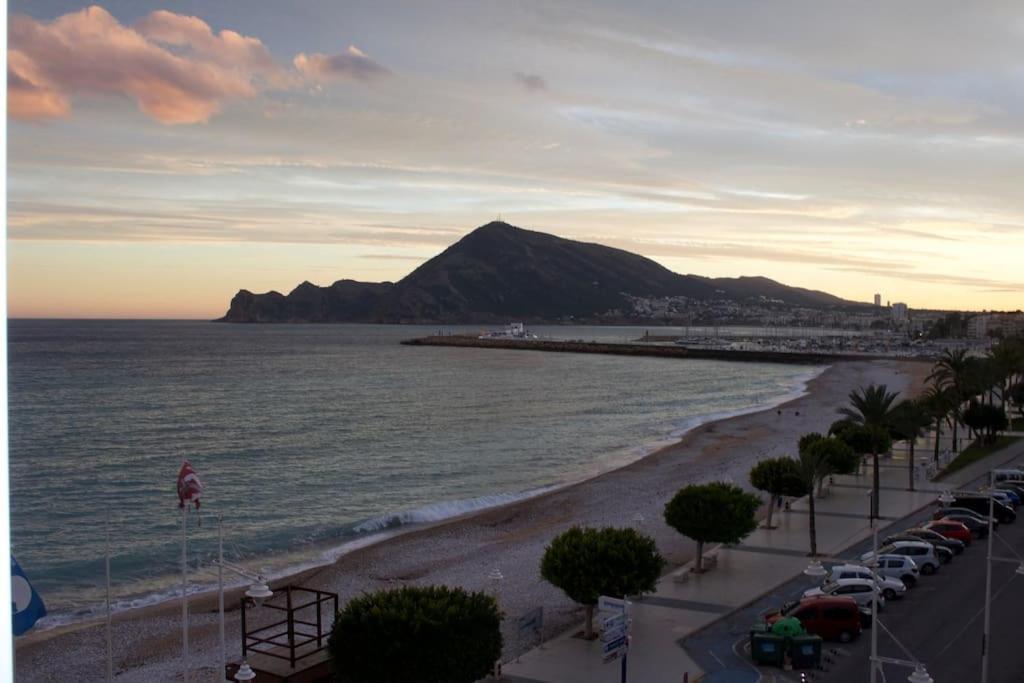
x=189, y=486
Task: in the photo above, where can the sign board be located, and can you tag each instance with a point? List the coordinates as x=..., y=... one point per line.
x=614, y=627
x=607, y=604
x=532, y=621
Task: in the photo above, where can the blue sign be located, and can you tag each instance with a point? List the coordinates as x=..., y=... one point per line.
x=26, y=605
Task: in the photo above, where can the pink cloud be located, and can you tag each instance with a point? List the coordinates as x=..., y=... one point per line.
x=353, y=64
x=175, y=68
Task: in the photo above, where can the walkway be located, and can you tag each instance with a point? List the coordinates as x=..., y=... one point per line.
x=685, y=603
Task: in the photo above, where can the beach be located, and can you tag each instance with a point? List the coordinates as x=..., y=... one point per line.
x=464, y=551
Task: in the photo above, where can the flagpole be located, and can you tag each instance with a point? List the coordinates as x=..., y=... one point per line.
x=110, y=640
x=220, y=595
x=184, y=592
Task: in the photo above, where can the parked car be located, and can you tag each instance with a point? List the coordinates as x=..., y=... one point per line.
x=977, y=527
x=982, y=503
x=891, y=588
x=864, y=591
x=1008, y=498
x=1013, y=492
x=958, y=511
x=1016, y=487
x=955, y=545
x=923, y=554
x=896, y=567
x=944, y=554
x=948, y=534
x=831, y=618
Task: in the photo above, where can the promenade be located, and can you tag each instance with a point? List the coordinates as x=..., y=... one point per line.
x=685, y=603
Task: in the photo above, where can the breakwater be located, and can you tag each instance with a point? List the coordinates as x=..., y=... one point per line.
x=658, y=351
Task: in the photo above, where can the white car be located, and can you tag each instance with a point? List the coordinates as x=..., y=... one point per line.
x=923, y=554
x=891, y=588
x=896, y=567
x=861, y=590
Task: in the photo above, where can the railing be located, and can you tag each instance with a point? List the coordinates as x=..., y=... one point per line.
x=293, y=636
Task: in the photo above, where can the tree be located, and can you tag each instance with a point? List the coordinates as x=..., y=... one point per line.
x=870, y=407
x=986, y=420
x=712, y=513
x=937, y=402
x=416, y=633
x=777, y=477
x=587, y=563
x=814, y=466
x=1017, y=396
x=907, y=422
x=950, y=371
x=837, y=454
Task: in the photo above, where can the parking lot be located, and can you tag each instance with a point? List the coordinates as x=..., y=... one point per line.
x=939, y=622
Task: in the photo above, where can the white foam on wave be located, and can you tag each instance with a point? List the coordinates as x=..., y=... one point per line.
x=383, y=527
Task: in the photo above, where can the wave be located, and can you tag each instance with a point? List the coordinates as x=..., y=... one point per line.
x=389, y=525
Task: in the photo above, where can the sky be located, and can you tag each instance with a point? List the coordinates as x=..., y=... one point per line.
x=163, y=156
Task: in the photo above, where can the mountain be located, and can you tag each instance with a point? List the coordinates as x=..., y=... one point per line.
x=500, y=272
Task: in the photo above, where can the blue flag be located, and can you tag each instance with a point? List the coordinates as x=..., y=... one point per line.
x=27, y=606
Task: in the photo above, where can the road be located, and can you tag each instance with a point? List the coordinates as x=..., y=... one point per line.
x=939, y=622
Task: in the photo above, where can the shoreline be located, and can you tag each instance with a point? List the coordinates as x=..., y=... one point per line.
x=459, y=550
x=330, y=553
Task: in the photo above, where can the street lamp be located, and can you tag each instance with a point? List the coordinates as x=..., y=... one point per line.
x=988, y=578
x=245, y=672
x=495, y=578
x=815, y=569
x=258, y=590
x=946, y=498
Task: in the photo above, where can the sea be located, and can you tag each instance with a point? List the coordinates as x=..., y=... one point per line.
x=311, y=440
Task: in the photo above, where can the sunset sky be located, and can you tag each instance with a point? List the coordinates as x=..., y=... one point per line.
x=163, y=156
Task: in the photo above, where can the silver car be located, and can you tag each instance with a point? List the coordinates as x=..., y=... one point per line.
x=923, y=554
x=897, y=567
x=891, y=588
x=861, y=590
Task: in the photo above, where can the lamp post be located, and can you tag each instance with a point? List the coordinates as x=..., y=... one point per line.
x=495, y=577
x=988, y=584
x=874, y=610
x=258, y=591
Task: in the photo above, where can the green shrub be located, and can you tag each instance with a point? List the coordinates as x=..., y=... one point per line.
x=712, y=513
x=587, y=563
x=433, y=634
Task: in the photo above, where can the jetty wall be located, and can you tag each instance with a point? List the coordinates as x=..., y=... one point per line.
x=658, y=351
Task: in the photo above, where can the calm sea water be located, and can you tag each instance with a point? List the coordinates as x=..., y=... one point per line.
x=309, y=438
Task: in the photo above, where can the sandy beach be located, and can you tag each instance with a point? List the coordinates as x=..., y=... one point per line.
x=463, y=551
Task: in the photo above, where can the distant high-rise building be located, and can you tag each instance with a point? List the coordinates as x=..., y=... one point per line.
x=878, y=299
x=899, y=313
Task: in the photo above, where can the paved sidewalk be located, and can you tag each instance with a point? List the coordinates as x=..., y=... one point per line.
x=684, y=603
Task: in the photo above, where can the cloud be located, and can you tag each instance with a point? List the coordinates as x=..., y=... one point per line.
x=27, y=97
x=175, y=67
x=353, y=64
x=532, y=82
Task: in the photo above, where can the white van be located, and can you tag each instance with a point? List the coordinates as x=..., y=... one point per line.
x=1008, y=475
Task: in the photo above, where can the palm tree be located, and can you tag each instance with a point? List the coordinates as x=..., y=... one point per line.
x=1005, y=358
x=813, y=465
x=907, y=422
x=871, y=407
x=937, y=402
x=951, y=370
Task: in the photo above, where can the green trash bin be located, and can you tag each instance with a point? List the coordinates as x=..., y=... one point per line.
x=805, y=652
x=767, y=648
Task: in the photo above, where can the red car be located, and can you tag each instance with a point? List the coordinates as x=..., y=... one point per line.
x=950, y=528
x=832, y=618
